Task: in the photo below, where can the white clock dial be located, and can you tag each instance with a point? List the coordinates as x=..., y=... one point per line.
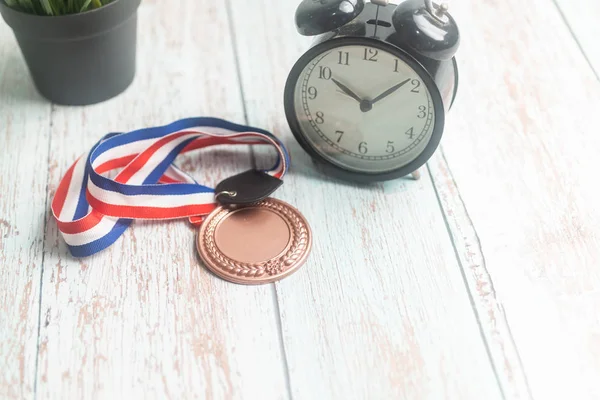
x=364, y=109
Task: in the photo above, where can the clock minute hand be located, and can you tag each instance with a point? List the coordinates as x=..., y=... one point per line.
x=346, y=90
x=390, y=91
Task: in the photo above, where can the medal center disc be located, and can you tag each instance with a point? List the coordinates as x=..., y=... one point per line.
x=252, y=235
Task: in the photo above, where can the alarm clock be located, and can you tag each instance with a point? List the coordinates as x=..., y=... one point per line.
x=368, y=100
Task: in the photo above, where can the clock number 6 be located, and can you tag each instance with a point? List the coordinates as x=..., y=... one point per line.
x=362, y=148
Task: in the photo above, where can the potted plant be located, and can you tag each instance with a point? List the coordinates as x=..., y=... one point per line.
x=78, y=51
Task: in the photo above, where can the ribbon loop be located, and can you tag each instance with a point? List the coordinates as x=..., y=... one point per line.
x=92, y=211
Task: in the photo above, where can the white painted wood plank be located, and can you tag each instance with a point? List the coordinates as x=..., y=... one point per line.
x=490, y=309
x=524, y=155
x=145, y=319
x=24, y=135
x=380, y=311
x=582, y=17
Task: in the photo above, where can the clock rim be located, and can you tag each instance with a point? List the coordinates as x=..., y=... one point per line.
x=350, y=174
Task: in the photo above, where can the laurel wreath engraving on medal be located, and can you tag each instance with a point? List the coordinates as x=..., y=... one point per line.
x=299, y=243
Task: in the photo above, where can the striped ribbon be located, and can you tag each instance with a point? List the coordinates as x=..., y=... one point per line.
x=92, y=211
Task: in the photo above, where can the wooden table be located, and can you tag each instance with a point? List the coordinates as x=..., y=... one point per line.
x=480, y=281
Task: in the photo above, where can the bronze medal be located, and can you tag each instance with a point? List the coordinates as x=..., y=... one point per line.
x=255, y=244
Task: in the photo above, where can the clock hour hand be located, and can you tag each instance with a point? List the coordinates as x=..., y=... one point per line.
x=346, y=90
x=389, y=91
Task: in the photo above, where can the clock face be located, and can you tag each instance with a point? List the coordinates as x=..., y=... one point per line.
x=364, y=108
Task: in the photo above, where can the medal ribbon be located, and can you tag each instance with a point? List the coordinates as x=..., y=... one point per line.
x=92, y=211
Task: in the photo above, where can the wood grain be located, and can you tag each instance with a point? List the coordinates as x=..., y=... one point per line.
x=380, y=311
x=24, y=139
x=582, y=19
x=489, y=307
x=518, y=185
x=145, y=319
x=480, y=281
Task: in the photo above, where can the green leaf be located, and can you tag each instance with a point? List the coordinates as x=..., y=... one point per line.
x=85, y=6
x=47, y=7
x=28, y=6
x=55, y=7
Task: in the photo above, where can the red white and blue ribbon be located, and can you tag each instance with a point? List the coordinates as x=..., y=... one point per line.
x=92, y=211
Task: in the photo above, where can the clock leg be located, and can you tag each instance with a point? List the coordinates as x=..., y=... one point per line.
x=416, y=175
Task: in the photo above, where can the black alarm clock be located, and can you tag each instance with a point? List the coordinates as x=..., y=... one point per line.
x=369, y=99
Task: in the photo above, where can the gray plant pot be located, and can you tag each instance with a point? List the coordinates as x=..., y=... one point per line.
x=79, y=59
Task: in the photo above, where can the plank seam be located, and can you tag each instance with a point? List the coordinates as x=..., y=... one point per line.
x=574, y=36
x=238, y=69
x=487, y=280
x=464, y=277
x=46, y=205
x=284, y=358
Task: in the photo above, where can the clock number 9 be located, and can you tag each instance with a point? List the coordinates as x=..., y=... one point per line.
x=312, y=92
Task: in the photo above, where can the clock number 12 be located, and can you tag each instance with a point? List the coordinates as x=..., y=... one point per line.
x=370, y=54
